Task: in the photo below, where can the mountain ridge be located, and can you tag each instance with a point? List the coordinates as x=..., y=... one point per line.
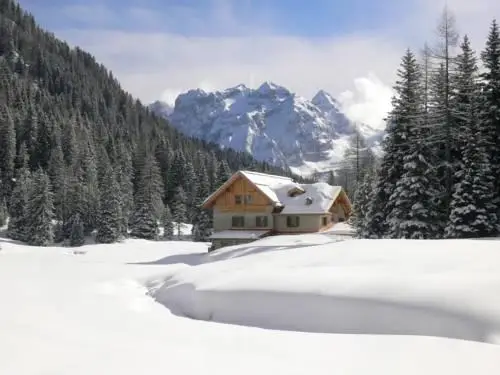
x=271, y=123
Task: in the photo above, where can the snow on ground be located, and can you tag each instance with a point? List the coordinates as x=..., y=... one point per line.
x=62, y=313
x=342, y=229
x=432, y=288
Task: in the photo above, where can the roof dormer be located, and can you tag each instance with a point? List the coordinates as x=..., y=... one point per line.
x=295, y=191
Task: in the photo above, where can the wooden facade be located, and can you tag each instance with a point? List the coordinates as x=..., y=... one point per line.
x=241, y=196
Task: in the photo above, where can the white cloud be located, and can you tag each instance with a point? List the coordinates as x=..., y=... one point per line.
x=358, y=69
x=369, y=103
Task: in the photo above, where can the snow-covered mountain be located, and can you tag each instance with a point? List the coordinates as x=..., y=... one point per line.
x=271, y=123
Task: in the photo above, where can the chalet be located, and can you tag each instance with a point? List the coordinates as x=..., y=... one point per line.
x=253, y=205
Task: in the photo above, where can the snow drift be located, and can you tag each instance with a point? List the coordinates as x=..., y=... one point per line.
x=431, y=288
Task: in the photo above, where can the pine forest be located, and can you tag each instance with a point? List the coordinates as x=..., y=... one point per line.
x=439, y=176
x=80, y=156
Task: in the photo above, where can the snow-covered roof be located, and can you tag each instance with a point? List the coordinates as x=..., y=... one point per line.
x=314, y=198
x=237, y=234
x=267, y=183
x=262, y=181
x=317, y=199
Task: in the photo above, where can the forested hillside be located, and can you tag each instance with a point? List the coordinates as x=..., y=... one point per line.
x=440, y=173
x=77, y=150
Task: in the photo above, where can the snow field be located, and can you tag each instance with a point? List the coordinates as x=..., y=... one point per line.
x=92, y=313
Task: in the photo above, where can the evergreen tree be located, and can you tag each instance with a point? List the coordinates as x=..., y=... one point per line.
x=168, y=224
x=40, y=211
x=414, y=201
x=56, y=173
x=18, y=215
x=77, y=236
x=490, y=114
x=42, y=146
x=22, y=157
x=109, y=229
x=416, y=213
x=3, y=213
x=213, y=171
x=202, y=229
x=465, y=97
x=200, y=195
x=357, y=159
x=74, y=199
x=7, y=152
x=395, y=146
x=441, y=120
x=176, y=174
x=148, y=201
x=179, y=209
x=124, y=178
x=90, y=215
x=224, y=173
x=69, y=142
x=361, y=204
x=472, y=212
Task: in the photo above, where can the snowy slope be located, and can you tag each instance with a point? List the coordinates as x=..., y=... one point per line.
x=271, y=123
x=90, y=314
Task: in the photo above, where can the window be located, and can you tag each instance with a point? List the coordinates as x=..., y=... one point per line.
x=248, y=199
x=292, y=221
x=325, y=221
x=238, y=221
x=261, y=221
x=237, y=199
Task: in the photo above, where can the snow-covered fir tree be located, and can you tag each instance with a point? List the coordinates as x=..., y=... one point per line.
x=416, y=213
x=57, y=171
x=168, y=224
x=224, y=173
x=202, y=229
x=179, y=209
x=75, y=199
x=202, y=192
x=465, y=96
x=77, y=236
x=361, y=204
x=490, y=114
x=40, y=211
x=109, y=229
x=148, y=201
x=440, y=116
x=473, y=213
x=395, y=147
x=124, y=175
x=413, y=208
x=18, y=215
x=7, y=151
x=3, y=213
x=473, y=210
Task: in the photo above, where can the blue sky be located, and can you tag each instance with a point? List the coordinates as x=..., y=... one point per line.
x=351, y=48
x=307, y=18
